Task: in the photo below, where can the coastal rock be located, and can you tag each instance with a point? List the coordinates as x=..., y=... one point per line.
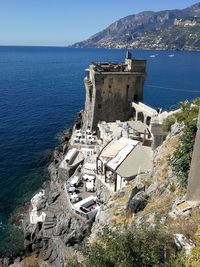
x=65, y=148
x=65, y=137
x=71, y=229
x=176, y=128
x=138, y=202
x=41, y=204
x=183, y=243
x=152, y=188
x=4, y=262
x=36, y=229
x=53, y=196
x=46, y=250
x=53, y=171
x=102, y=192
x=54, y=256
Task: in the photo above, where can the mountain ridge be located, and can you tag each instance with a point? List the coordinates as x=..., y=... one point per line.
x=151, y=30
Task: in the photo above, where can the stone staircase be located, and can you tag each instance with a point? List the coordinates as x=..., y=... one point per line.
x=50, y=222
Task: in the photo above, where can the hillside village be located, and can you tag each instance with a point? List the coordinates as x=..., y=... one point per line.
x=162, y=30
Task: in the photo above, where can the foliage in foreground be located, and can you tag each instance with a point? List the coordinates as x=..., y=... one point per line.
x=181, y=159
x=194, y=259
x=136, y=247
x=167, y=123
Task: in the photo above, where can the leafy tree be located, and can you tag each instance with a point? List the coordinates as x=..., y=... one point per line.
x=188, y=111
x=140, y=246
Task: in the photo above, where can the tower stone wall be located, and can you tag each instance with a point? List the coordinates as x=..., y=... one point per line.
x=110, y=90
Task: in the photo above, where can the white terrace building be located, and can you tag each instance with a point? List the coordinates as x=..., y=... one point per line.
x=135, y=130
x=121, y=160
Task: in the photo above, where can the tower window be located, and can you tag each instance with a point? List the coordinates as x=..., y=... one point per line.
x=90, y=94
x=128, y=86
x=127, y=89
x=110, y=86
x=99, y=106
x=136, y=98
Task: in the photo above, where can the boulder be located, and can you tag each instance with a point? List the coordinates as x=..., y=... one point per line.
x=152, y=188
x=183, y=243
x=138, y=202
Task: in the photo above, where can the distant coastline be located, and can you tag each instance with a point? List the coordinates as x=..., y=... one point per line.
x=100, y=48
x=176, y=29
x=137, y=48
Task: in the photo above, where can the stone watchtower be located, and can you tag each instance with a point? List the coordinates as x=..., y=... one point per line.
x=193, y=189
x=110, y=90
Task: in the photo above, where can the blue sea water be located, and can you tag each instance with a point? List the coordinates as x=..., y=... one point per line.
x=41, y=91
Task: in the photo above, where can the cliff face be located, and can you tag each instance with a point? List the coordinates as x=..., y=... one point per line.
x=52, y=242
x=150, y=30
x=150, y=196
x=147, y=195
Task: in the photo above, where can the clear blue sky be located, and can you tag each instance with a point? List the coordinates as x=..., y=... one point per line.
x=62, y=22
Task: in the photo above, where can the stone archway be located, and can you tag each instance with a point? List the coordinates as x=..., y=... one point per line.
x=148, y=120
x=140, y=116
x=134, y=114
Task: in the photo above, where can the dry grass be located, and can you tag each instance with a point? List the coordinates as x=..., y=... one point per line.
x=117, y=213
x=161, y=162
x=161, y=206
x=187, y=226
x=31, y=261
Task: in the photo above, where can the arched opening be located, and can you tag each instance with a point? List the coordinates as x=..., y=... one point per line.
x=140, y=116
x=134, y=114
x=148, y=120
x=135, y=98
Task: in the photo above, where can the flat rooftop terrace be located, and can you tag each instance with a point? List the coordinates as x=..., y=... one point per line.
x=108, y=67
x=119, y=67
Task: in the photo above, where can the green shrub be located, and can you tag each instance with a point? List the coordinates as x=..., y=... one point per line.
x=73, y=263
x=172, y=187
x=181, y=159
x=194, y=259
x=188, y=112
x=167, y=123
x=139, y=246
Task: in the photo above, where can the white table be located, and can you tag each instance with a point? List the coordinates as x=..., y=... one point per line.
x=88, y=177
x=74, y=181
x=74, y=197
x=88, y=132
x=71, y=189
x=78, y=135
x=89, y=186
